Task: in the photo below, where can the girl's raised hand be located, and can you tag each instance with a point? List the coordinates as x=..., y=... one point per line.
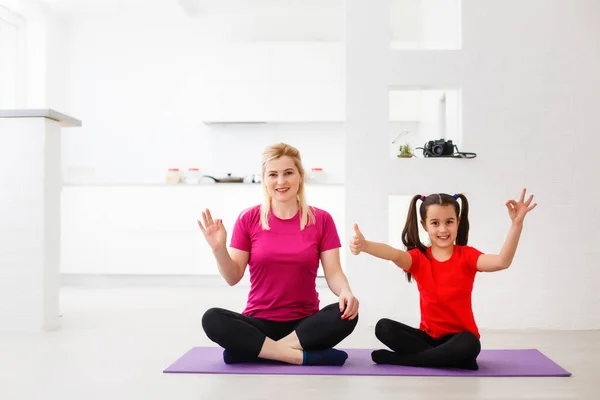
x=518, y=210
x=357, y=243
x=213, y=230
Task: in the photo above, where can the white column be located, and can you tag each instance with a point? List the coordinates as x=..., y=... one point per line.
x=367, y=138
x=30, y=184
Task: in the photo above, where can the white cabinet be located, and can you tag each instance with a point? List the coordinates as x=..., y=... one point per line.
x=234, y=86
x=234, y=102
x=274, y=83
x=307, y=101
x=152, y=230
x=83, y=230
x=307, y=83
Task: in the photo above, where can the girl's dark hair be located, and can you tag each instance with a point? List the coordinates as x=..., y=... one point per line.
x=410, y=233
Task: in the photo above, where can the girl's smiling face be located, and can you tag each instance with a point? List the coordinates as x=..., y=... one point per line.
x=441, y=224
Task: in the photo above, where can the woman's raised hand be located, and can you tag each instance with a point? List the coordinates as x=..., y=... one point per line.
x=213, y=230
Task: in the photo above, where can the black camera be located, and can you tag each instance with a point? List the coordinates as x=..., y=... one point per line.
x=438, y=148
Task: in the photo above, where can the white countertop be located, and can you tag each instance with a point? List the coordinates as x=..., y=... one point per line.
x=64, y=120
x=187, y=185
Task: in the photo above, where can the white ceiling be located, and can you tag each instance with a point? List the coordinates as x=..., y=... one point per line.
x=201, y=7
x=265, y=6
x=256, y=20
x=249, y=20
x=79, y=8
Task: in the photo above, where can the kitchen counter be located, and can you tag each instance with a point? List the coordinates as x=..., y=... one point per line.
x=151, y=229
x=30, y=172
x=64, y=120
x=179, y=185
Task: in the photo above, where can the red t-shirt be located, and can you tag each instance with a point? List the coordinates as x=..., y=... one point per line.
x=445, y=290
x=283, y=262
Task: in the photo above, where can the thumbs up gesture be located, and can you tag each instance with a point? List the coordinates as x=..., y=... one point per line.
x=358, y=242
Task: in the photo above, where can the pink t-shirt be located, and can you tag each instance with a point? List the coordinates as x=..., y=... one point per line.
x=283, y=262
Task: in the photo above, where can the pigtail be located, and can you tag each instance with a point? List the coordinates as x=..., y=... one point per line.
x=462, y=234
x=410, y=233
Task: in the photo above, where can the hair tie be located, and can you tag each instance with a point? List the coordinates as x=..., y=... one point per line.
x=456, y=196
x=422, y=198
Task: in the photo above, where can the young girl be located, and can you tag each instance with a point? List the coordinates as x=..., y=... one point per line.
x=447, y=336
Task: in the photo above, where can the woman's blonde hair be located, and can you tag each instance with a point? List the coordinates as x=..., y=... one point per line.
x=272, y=153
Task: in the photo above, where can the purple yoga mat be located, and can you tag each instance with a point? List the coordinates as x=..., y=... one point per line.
x=528, y=362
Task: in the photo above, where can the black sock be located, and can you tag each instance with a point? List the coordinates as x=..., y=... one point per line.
x=230, y=357
x=325, y=357
x=385, y=357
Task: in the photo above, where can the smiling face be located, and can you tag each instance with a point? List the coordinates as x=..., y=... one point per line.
x=282, y=179
x=441, y=224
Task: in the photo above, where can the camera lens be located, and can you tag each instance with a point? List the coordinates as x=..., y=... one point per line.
x=438, y=150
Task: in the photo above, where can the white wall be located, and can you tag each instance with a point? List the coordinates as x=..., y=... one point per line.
x=57, y=68
x=45, y=54
x=10, y=4
x=529, y=98
x=424, y=24
x=12, y=40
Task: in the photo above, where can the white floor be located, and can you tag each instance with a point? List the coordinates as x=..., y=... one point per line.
x=115, y=342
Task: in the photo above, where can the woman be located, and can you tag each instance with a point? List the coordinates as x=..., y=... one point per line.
x=282, y=242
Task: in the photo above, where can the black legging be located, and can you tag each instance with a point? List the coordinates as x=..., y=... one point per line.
x=414, y=347
x=245, y=335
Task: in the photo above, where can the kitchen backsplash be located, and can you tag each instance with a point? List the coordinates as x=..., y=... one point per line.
x=216, y=150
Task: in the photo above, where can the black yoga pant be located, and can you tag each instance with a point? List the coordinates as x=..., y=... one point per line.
x=414, y=347
x=245, y=335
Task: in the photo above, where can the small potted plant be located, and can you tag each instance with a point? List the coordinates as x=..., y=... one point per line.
x=405, y=151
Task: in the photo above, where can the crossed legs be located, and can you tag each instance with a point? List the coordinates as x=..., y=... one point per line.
x=413, y=347
x=306, y=341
